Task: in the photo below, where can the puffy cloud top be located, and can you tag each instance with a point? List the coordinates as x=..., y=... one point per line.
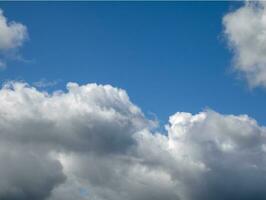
x=86, y=117
x=92, y=142
x=245, y=29
x=34, y=126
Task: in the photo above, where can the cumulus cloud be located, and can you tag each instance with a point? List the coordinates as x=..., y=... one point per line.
x=245, y=29
x=92, y=142
x=228, y=150
x=12, y=35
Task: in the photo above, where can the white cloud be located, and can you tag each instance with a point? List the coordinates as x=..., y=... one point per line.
x=245, y=29
x=91, y=142
x=227, y=150
x=12, y=35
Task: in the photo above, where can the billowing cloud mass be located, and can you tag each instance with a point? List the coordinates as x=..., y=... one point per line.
x=245, y=29
x=12, y=35
x=92, y=142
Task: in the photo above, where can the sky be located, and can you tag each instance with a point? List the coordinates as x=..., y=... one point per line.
x=172, y=54
x=132, y=100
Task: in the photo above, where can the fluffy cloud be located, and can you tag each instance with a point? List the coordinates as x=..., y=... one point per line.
x=92, y=142
x=229, y=149
x=12, y=35
x=245, y=29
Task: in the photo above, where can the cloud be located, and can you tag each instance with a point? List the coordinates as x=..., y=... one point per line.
x=26, y=174
x=227, y=151
x=92, y=142
x=245, y=30
x=12, y=35
x=43, y=83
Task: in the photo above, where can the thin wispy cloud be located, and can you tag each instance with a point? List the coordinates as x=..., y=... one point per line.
x=43, y=83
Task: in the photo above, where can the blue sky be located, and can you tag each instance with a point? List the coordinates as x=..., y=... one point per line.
x=168, y=56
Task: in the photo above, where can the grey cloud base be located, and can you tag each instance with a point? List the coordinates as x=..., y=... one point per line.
x=92, y=142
